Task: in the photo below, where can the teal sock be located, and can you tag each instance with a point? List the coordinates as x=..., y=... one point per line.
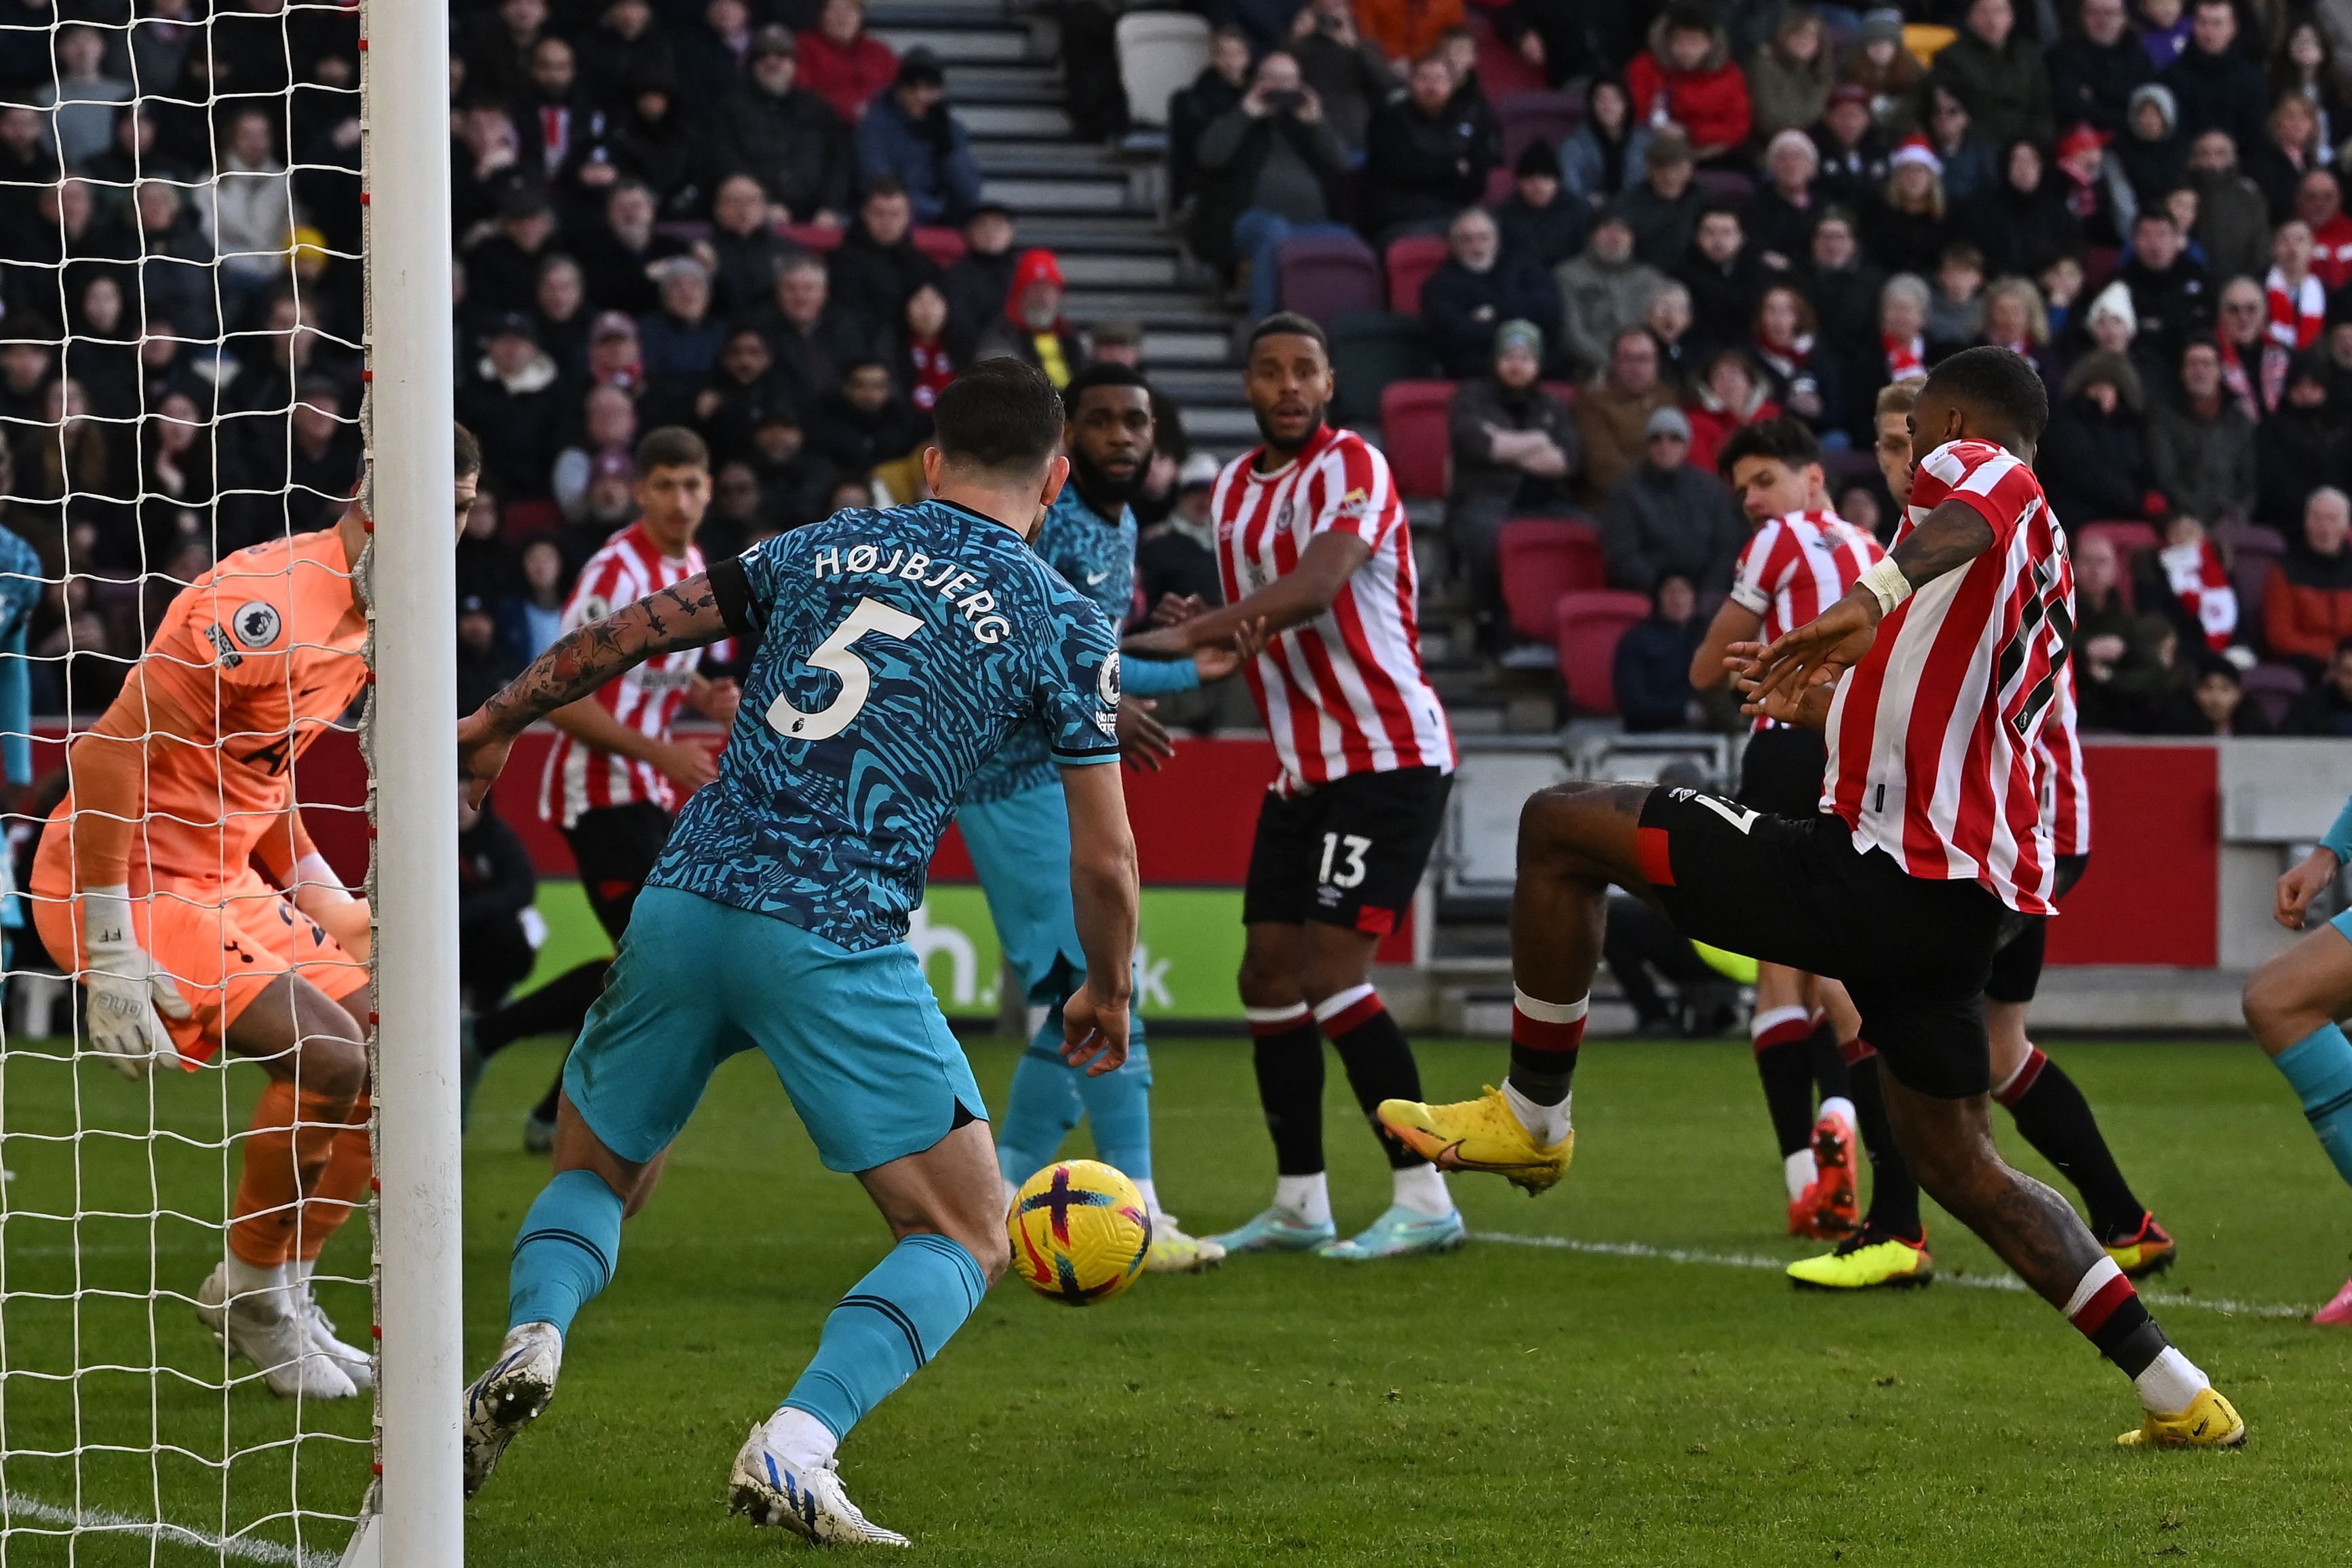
x=1118, y=1111
x=2320, y=1066
x=889, y=1324
x=569, y=1247
x=1041, y=1107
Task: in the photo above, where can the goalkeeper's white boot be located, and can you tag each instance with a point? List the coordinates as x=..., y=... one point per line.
x=803, y=1497
x=510, y=1396
x=355, y=1363
x=261, y=1326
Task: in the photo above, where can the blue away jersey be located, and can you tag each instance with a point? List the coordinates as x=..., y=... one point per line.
x=897, y=650
x=1097, y=559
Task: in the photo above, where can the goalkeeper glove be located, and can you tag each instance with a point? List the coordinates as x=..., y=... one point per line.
x=126, y=987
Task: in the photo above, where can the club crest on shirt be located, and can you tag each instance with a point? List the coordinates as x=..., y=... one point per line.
x=256, y=623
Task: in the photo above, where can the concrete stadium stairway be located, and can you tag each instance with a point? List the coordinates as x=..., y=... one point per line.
x=1096, y=208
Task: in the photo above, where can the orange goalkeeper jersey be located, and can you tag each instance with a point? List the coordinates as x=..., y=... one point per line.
x=263, y=653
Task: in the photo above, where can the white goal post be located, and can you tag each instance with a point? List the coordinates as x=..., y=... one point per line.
x=413, y=763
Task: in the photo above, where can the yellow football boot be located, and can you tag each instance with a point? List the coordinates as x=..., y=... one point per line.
x=2209, y=1422
x=1480, y=1134
x=1869, y=1261
x=2145, y=1251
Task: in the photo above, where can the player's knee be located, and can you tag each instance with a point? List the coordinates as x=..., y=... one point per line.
x=1265, y=984
x=1556, y=823
x=332, y=1064
x=2275, y=1007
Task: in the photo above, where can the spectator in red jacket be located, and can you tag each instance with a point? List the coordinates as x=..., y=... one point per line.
x=842, y=63
x=2319, y=201
x=1729, y=395
x=1404, y=30
x=1686, y=76
x=2308, y=604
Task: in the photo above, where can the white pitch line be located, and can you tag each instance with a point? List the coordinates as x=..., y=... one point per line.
x=105, y=1521
x=2221, y=1304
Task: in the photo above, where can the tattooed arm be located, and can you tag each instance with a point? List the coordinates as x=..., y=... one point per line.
x=686, y=614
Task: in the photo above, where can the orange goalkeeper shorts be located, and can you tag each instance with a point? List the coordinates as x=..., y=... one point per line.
x=223, y=944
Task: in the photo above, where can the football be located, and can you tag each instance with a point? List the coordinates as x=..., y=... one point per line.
x=1080, y=1232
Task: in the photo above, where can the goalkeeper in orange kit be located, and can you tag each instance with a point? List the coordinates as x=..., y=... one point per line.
x=148, y=875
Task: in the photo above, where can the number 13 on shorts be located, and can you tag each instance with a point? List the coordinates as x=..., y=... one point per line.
x=1343, y=860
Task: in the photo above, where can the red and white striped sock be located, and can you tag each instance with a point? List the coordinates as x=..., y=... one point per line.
x=2013, y=1087
x=1545, y=1039
x=2109, y=1313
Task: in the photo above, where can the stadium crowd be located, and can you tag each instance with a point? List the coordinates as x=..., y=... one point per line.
x=1633, y=229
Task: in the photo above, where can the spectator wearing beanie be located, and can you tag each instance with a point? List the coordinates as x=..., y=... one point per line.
x=2098, y=67
x=1614, y=411
x=1480, y=286
x=1515, y=451
x=2150, y=152
x=1663, y=207
x=1541, y=220
x=1668, y=517
x=2091, y=185
x=1884, y=76
x=1603, y=292
x=1030, y=328
x=2307, y=603
x=908, y=134
x=2093, y=457
x=1424, y=158
x=1778, y=218
x=1789, y=77
x=1911, y=225
x=1685, y=77
x=842, y=63
x=771, y=127
x=1997, y=72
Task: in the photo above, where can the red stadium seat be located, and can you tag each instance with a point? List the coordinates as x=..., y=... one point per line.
x=1327, y=276
x=1592, y=624
x=1502, y=69
x=1411, y=261
x=2249, y=575
x=1530, y=116
x=1539, y=560
x=2242, y=539
x=1413, y=434
x=524, y=519
x=817, y=237
x=945, y=246
x=2274, y=689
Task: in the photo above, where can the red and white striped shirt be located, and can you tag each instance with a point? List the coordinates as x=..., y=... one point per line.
x=1796, y=566
x=2067, y=792
x=579, y=777
x=1343, y=693
x=1934, y=751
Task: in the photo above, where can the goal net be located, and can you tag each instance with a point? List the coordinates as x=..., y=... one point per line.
x=187, y=1236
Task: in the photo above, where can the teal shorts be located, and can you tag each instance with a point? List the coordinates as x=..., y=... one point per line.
x=2343, y=923
x=1020, y=848
x=855, y=1039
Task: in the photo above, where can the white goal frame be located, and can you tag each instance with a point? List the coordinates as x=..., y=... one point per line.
x=410, y=742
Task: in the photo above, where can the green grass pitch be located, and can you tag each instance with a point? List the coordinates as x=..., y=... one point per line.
x=1672, y=1403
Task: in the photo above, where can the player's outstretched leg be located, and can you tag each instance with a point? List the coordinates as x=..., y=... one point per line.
x=2037, y=1234
x=315, y=1054
x=1575, y=841
x=2290, y=1004
x=941, y=1204
x=1420, y=1216
x=2053, y=1116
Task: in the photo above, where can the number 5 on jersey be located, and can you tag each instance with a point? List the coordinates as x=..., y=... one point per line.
x=856, y=680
